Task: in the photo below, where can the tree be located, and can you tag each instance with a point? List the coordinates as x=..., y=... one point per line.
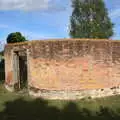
x=90, y=19
x=2, y=53
x=15, y=37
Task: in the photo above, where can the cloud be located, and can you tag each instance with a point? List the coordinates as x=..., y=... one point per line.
x=27, y=5
x=115, y=13
x=2, y=44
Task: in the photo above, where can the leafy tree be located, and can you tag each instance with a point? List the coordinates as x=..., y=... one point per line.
x=90, y=19
x=15, y=37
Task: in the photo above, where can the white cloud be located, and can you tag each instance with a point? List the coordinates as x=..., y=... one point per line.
x=25, y=4
x=2, y=44
x=115, y=13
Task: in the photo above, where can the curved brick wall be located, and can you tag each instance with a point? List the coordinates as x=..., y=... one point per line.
x=69, y=67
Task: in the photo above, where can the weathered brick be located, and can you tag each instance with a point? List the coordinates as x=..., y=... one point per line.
x=68, y=65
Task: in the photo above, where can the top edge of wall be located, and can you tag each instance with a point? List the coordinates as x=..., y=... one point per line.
x=54, y=40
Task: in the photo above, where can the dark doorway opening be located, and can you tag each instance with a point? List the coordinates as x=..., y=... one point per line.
x=20, y=69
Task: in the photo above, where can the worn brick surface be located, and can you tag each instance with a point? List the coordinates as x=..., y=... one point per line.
x=69, y=64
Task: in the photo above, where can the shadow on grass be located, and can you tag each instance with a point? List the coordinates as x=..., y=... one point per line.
x=39, y=109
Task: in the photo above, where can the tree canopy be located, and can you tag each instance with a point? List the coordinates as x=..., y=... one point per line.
x=90, y=19
x=15, y=37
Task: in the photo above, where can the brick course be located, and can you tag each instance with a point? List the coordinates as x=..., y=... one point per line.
x=68, y=65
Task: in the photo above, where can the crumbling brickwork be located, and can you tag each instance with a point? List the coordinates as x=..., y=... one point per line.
x=68, y=65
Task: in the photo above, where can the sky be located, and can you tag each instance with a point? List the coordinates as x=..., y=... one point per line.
x=43, y=19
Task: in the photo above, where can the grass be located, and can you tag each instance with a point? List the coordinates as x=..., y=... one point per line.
x=14, y=106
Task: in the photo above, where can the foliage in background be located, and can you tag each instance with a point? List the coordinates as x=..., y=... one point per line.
x=15, y=37
x=2, y=53
x=2, y=70
x=90, y=19
x=2, y=66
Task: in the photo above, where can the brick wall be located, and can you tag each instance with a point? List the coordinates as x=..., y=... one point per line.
x=74, y=64
x=70, y=64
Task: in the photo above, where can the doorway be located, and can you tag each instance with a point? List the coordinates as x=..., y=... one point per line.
x=20, y=69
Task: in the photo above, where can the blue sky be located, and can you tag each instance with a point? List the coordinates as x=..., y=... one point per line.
x=42, y=19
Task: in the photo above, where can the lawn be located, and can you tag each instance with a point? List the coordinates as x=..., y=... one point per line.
x=18, y=106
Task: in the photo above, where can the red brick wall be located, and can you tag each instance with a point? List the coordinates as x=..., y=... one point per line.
x=71, y=64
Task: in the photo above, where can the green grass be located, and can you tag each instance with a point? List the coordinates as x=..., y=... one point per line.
x=16, y=106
